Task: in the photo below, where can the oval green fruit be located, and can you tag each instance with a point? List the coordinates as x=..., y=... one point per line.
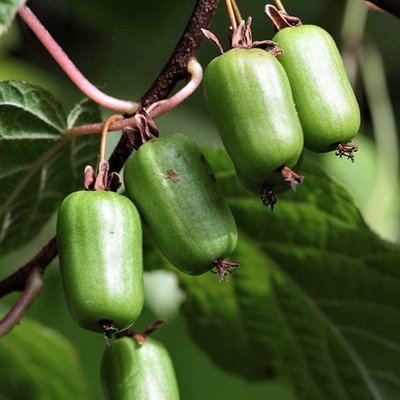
x=130, y=371
x=177, y=195
x=324, y=98
x=99, y=238
x=249, y=96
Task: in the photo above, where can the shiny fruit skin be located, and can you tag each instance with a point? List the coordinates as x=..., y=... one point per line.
x=99, y=236
x=130, y=371
x=249, y=96
x=324, y=98
x=177, y=195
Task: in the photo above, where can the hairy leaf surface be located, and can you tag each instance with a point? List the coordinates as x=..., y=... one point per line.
x=37, y=166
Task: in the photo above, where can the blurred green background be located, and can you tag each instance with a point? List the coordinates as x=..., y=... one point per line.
x=121, y=46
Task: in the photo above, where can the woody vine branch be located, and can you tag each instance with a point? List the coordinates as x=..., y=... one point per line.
x=174, y=71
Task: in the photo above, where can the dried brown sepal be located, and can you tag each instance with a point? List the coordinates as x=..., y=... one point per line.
x=280, y=19
x=291, y=177
x=268, y=197
x=113, y=182
x=347, y=150
x=109, y=329
x=103, y=180
x=224, y=268
x=102, y=176
x=133, y=136
x=213, y=39
x=144, y=131
x=151, y=125
x=269, y=46
x=241, y=36
x=89, y=177
x=146, y=127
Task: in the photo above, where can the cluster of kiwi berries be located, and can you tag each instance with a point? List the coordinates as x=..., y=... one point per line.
x=269, y=99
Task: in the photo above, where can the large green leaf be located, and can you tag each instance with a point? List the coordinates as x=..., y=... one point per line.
x=8, y=9
x=40, y=364
x=37, y=167
x=315, y=300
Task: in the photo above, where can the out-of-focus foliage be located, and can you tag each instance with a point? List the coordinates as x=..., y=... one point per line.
x=303, y=304
x=40, y=363
x=8, y=9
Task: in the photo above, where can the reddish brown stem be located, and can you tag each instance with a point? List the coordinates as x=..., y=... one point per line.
x=33, y=286
x=391, y=6
x=174, y=70
x=140, y=337
x=69, y=68
x=187, y=48
x=16, y=281
x=291, y=177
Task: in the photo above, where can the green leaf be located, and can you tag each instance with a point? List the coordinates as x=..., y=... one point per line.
x=40, y=364
x=315, y=300
x=38, y=167
x=8, y=9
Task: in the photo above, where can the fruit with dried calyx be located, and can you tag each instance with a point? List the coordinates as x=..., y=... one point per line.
x=325, y=100
x=176, y=193
x=249, y=96
x=132, y=370
x=99, y=238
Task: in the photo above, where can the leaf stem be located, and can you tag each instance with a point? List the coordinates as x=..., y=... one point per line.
x=55, y=50
x=155, y=110
x=231, y=14
x=236, y=10
x=280, y=6
x=33, y=286
x=104, y=132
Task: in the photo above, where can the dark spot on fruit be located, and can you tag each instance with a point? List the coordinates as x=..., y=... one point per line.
x=171, y=174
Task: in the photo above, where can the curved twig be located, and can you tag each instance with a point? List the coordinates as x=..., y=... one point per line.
x=55, y=50
x=187, y=48
x=16, y=281
x=154, y=111
x=33, y=286
x=163, y=106
x=175, y=70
